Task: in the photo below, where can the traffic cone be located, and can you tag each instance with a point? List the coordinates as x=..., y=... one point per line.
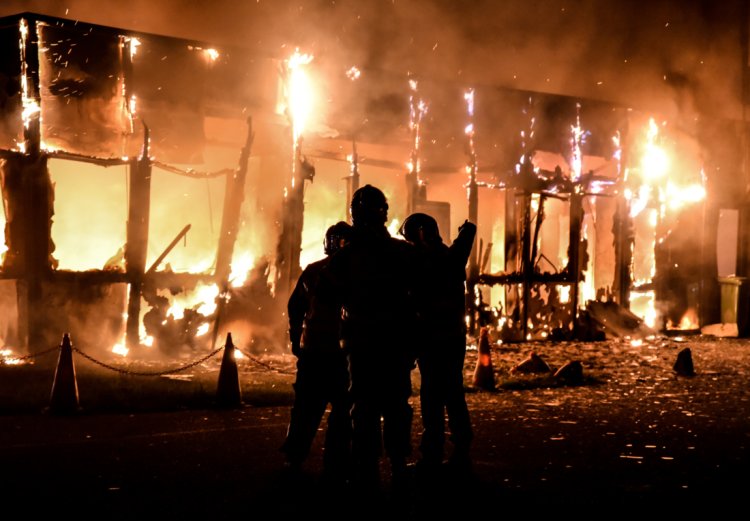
x=228, y=391
x=533, y=364
x=571, y=373
x=64, y=396
x=484, y=374
x=683, y=366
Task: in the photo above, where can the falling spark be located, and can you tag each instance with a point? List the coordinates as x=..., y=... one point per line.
x=211, y=54
x=353, y=73
x=417, y=110
x=576, y=161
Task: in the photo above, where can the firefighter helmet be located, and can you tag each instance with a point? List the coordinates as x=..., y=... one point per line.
x=369, y=206
x=336, y=236
x=417, y=222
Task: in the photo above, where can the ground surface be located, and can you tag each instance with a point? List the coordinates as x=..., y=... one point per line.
x=632, y=436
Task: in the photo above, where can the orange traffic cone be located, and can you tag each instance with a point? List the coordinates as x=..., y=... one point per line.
x=571, y=373
x=64, y=396
x=683, y=366
x=484, y=374
x=228, y=391
x=533, y=364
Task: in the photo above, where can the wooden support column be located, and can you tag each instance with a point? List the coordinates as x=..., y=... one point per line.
x=511, y=250
x=574, y=251
x=136, y=248
x=234, y=195
x=290, y=242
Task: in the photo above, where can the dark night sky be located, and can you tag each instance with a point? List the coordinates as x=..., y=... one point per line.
x=678, y=57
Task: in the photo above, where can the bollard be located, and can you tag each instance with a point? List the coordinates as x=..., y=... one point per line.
x=64, y=396
x=228, y=390
x=484, y=373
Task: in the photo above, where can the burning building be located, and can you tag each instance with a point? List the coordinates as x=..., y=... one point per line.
x=159, y=192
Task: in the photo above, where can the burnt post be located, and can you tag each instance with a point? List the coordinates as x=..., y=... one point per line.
x=574, y=250
x=29, y=201
x=290, y=242
x=527, y=264
x=136, y=248
x=623, y=232
x=234, y=195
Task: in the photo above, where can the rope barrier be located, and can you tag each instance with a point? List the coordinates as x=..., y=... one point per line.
x=144, y=373
x=32, y=355
x=269, y=367
x=111, y=367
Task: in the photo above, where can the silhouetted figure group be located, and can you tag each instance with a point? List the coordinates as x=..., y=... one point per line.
x=360, y=321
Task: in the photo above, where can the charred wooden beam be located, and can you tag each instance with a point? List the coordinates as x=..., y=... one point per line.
x=32, y=131
x=136, y=247
x=574, y=267
x=234, y=195
x=168, y=249
x=290, y=242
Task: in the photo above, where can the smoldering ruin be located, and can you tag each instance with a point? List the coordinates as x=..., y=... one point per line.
x=160, y=191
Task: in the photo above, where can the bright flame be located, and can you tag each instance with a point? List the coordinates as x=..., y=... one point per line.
x=655, y=162
x=564, y=292
x=134, y=43
x=393, y=227
x=120, y=349
x=688, y=321
x=300, y=96
x=202, y=329
x=8, y=357
x=30, y=105
x=643, y=304
x=679, y=196
x=211, y=54
x=240, y=269
x=203, y=297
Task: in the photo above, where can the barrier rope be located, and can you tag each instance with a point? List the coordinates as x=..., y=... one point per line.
x=32, y=355
x=143, y=373
x=263, y=364
x=111, y=367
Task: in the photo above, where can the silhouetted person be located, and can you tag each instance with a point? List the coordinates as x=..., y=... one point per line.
x=371, y=279
x=442, y=346
x=322, y=370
